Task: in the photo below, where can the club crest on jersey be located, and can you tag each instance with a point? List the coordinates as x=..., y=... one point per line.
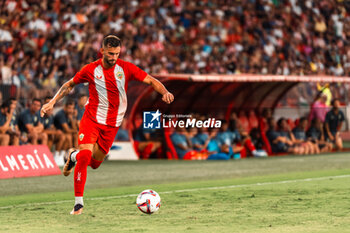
x=81, y=136
x=119, y=75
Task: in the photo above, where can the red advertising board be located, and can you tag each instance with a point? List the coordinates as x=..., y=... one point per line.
x=28, y=160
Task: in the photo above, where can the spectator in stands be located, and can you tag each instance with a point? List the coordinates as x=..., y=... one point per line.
x=199, y=138
x=284, y=130
x=13, y=131
x=5, y=119
x=80, y=107
x=299, y=133
x=218, y=151
x=233, y=122
x=55, y=137
x=65, y=121
x=280, y=143
x=256, y=138
x=316, y=134
x=333, y=124
x=30, y=126
x=182, y=143
x=319, y=109
x=148, y=141
x=263, y=37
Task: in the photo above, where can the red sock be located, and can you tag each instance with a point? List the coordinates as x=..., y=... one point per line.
x=80, y=172
x=95, y=163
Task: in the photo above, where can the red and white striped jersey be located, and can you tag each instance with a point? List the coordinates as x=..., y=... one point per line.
x=107, y=88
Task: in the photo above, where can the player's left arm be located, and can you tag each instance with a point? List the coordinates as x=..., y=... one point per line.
x=66, y=88
x=167, y=97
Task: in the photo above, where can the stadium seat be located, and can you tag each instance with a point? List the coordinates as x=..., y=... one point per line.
x=253, y=120
x=244, y=122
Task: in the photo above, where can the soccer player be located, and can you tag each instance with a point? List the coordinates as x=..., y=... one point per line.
x=108, y=79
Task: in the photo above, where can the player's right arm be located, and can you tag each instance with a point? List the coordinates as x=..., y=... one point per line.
x=62, y=92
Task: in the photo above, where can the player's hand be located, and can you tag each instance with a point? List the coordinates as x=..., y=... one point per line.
x=168, y=98
x=46, y=108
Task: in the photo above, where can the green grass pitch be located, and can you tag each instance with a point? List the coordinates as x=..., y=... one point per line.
x=278, y=194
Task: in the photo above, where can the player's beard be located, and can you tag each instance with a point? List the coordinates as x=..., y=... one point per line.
x=110, y=62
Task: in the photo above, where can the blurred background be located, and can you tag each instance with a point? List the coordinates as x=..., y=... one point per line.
x=221, y=59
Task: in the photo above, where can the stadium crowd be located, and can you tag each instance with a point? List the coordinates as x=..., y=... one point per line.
x=43, y=43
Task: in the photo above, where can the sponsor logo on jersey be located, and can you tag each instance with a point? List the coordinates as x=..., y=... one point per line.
x=120, y=75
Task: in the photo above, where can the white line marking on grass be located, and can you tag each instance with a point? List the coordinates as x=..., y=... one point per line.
x=182, y=191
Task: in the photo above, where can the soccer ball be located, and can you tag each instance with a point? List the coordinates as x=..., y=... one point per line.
x=148, y=201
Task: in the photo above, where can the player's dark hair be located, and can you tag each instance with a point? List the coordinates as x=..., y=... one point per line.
x=111, y=41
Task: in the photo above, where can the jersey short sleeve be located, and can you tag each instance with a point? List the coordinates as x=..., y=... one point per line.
x=135, y=72
x=82, y=75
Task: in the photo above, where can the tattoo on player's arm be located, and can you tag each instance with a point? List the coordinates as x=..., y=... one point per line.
x=63, y=91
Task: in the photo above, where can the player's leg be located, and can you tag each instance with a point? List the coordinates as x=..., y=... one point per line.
x=88, y=135
x=98, y=157
x=83, y=158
